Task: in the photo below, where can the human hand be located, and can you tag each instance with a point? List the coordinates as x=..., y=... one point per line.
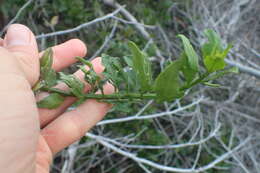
x=29, y=137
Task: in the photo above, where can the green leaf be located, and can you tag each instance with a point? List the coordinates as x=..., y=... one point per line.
x=233, y=70
x=91, y=77
x=52, y=101
x=188, y=72
x=213, y=52
x=213, y=44
x=214, y=64
x=142, y=67
x=75, y=85
x=211, y=84
x=85, y=62
x=132, y=83
x=51, y=78
x=47, y=59
x=47, y=74
x=167, y=84
x=113, y=70
x=128, y=60
x=193, y=59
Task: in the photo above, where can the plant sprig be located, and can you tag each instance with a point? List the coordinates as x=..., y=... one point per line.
x=132, y=75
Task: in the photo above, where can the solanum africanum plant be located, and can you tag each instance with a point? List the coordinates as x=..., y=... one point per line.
x=132, y=76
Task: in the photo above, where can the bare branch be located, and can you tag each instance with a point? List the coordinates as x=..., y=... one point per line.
x=16, y=16
x=81, y=26
x=131, y=118
x=168, y=168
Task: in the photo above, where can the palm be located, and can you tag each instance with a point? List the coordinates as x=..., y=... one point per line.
x=55, y=123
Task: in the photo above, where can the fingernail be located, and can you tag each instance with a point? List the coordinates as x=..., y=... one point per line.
x=17, y=35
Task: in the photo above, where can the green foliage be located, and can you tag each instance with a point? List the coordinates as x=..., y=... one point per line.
x=167, y=84
x=75, y=85
x=48, y=75
x=188, y=72
x=52, y=101
x=130, y=72
x=142, y=67
x=113, y=70
x=213, y=52
x=190, y=53
x=93, y=79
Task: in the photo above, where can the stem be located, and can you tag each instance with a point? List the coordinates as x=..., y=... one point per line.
x=115, y=96
x=204, y=76
x=122, y=96
x=59, y=91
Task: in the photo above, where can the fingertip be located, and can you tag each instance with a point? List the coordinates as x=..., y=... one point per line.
x=98, y=66
x=21, y=42
x=18, y=35
x=78, y=46
x=65, y=53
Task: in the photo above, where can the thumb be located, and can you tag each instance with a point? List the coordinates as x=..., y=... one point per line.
x=21, y=42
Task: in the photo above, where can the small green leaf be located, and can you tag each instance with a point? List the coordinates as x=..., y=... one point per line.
x=214, y=64
x=213, y=52
x=47, y=59
x=128, y=60
x=85, y=62
x=113, y=70
x=91, y=78
x=142, y=67
x=51, y=78
x=211, y=84
x=52, y=101
x=132, y=83
x=75, y=85
x=47, y=74
x=233, y=70
x=167, y=84
x=213, y=44
x=188, y=72
x=193, y=59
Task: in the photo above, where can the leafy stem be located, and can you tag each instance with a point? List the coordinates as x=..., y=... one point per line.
x=132, y=75
x=116, y=96
x=197, y=81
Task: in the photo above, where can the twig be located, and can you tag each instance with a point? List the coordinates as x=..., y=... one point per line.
x=170, y=146
x=132, y=19
x=81, y=26
x=168, y=168
x=244, y=68
x=16, y=16
x=106, y=42
x=131, y=118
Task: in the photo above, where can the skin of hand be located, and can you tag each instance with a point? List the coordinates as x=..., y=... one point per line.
x=30, y=137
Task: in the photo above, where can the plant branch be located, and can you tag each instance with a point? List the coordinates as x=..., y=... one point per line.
x=168, y=168
x=81, y=26
x=156, y=115
x=116, y=96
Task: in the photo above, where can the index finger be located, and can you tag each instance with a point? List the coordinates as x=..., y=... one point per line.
x=64, y=54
